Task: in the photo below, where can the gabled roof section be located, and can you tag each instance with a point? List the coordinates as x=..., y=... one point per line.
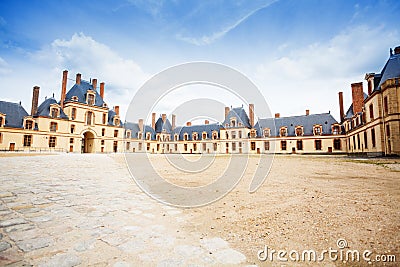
x=240, y=115
x=390, y=70
x=161, y=126
x=111, y=115
x=44, y=108
x=80, y=90
x=199, y=129
x=134, y=127
x=15, y=114
x=307, y=121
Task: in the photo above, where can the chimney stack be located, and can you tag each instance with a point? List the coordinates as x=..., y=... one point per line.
x=102, y=90
x=35, y=100
x=226, y=112
x=164, y=117
x=153, y=121
x=141, y=125
x=116, y=109
x=341, y=106
x=277, y=115
x=251, y=115
x=358, y=96
x=189, y=123
x=173, y=121
x=206, y=122
x=307, y=112
x=63, y=88
x=78, y=78
x=94, y=84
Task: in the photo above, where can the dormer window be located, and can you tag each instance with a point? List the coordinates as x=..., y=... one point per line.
x=74, y=98
x=29, y=124
x=195, y=136
x=117, y=122
x=54, y=112
x=140, y=135
x=317, y=130
x=128, y=134
x=158, y=137
x=214, y=135
x=233, y=122
x=105, y=105
x=253, y=133
x=283, y=131
x=299, y=131
x=148, y=136
x=176, y=137
x=336, y=129
x=90, y=99
x=240, y=124
x=185, y=137
x=267, y=132
x=204, y=136
x=2, y=120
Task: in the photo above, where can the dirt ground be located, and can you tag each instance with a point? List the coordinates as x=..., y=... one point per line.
x=307, y=202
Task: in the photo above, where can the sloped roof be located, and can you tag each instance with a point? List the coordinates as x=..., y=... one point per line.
x=15, y=114
x=44, y=108
x=208, y=128
x=389, y=71
x=307, y=121
x=160, y=126
x=80, y=90
x=111, y=115
x=240, y=115
x=134, y=127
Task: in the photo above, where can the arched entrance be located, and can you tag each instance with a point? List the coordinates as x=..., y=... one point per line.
x=88, y=142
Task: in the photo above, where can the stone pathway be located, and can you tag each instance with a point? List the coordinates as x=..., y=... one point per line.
x=71, y=210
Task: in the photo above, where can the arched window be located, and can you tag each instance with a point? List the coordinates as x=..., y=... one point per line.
x=283, y=131
x=194, y=136
x=204, y=136
x=54, y=112
x=317, y=130
x=267, y=132
x=185, y=137
x=176, y=137
x=299, y=130
x=214, y=135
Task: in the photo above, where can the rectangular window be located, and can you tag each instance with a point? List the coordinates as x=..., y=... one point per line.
x=365, y=139
x=371, y=111
x=233, y=146
x=204, y=146
x=102, y=142
x=90, y=99
x=140, y=147
x=336, y=130
x=72, y=129
x=148, y=146
x=195, y=147
x=373, y=137
x=358, y=141
x=128, y=145
x=283, y=145
x=54, y=112
x=299, y=131
x=387, y=130
x=318, y=144
x=73, y=114
x=104, y=118
x=115, y=133
x=1, y=138
x=253, y=145
x=215, y=146
x=1, y=121
x=283, y=131
x=336, y=144
x=233, y=134
x=29, y=125
x=27, y=140
x=52, y=141
x=299, y=144
x=103, y=132
x=176, y=147
x=354, y=141
x=240, y=134
x=71, y=140
x=89, y=116
x=266, y=145
x=53, y=126
x=185, y=147
x=385, y=105
x=115, y=146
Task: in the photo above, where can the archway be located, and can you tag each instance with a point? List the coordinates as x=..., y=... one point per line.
x=88, y=142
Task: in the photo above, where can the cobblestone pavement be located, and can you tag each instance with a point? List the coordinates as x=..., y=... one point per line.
x=70, y=210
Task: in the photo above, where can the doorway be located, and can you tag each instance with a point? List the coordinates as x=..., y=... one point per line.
x=88, y=142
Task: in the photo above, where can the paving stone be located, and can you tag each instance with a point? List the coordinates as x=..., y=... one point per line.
x=132, y=246
x=4, y=246
x=19, y=264
x=85, y=245
x=19, y=227
x=41, y=218
x=170, y=263
x=25, y=234
x=11, y=222
x=62, y=260
x=189, y=251
x=6, y=194
x=34, y=244
x=229, y=256
x=121, y=264
x=114, y=240
x=5, y=212
x=213, y=244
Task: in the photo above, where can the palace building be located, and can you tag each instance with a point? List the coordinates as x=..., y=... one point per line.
x=82, y=122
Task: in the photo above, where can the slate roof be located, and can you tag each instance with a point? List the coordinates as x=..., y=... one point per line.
x=208, y=128
x=15, y=114
x=389, y=71
x=44, y=108
x=240, y=115
x=134, y=127
x=80, y=90
x=111, y=115
x=274, y=124
x=160, y=126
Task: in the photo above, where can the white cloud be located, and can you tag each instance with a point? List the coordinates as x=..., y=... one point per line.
x=310, y=77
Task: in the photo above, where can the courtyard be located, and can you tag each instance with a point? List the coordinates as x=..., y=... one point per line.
x=85, y=209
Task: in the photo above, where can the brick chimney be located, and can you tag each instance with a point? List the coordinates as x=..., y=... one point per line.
x=94, y=84
x=141, y=125
x=307, y=112
x=153, y=121
x=164, y=117
x=206, y=122
x=102, y=90
x=341, y=106
x=63, y=87
x=173, y=121
x=227, y=109
x=358, y=96
x=116, y=109
x=251, y=115
x=189, y=123
x=35, y=100
x=277, y=115
x=78, y=78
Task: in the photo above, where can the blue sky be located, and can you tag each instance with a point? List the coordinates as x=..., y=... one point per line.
x=299, y=53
